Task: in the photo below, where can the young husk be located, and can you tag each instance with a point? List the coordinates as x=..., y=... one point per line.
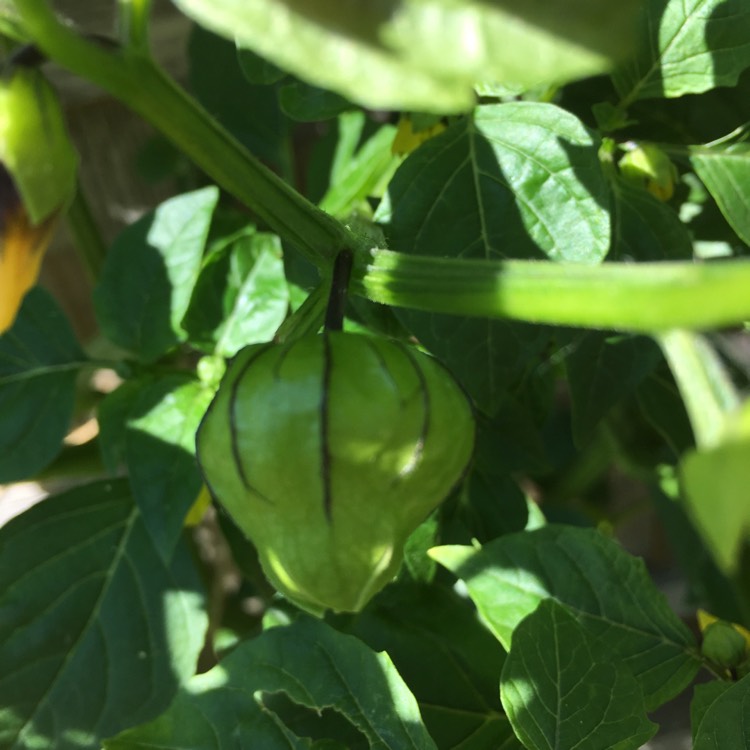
x=37, y=180
x=328, y=452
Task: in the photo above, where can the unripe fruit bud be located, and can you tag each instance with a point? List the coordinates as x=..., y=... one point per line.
x=723, y=645
x=328, y=452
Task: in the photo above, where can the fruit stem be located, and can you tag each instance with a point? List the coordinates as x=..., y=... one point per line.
x=342, y=271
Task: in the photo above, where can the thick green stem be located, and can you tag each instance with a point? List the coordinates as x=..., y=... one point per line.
x=706, y=388
x=642, y=297
x=639, y=297
x=139, y=83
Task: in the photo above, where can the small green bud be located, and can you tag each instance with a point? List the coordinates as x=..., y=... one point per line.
x=649, y=165
x=723, y=645
x=211, y=369
x=328, y=452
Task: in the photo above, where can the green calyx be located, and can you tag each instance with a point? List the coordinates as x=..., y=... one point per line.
x=328, y=452
x=35, y=148
x=723, y=645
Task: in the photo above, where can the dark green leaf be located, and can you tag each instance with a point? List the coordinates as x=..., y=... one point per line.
x=662, y=406
x=561, y=688
x=249, y=111
x=686, y=48
x=493, y=505
x=726, y=174
x=449, y=659
x=112, y=415
x=256, y=69
x=241, y=296
x=39, y=362
x=716, y=482
x=704, y=696
x=149, y=275
x=96, y=632
x=645, y=228
x=424, y=54
x=511, y=441
x=607, y=590
x=160, y=451
x=307, y=103
x=518, y=180
x=311, y=664
x=602, y=370
x=726, y=722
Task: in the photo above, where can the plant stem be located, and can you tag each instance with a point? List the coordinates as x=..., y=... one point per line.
x=704, y=384
x=134, y=15
x=342, y=271
x=137, y=81
x=642, y=297
x=88, y=239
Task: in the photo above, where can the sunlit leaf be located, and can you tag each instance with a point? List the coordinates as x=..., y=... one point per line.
x=423, y=54
x=686, y=47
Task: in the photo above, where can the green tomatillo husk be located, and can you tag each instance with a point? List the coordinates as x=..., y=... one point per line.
x=328, y=452
x=37, y=180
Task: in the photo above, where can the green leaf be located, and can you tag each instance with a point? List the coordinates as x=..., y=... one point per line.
x=39, y=362
x=646, y=229
x=686, y=48
x=514, y=180
x=112, y=415
x=313, y=666
x=726, y=174
x=450, y=661
x=726, y=722
x=96, y=632
x=423, y=54
x=561, y=688
x=607, y=590
x=662, y=407
x=307, y=103
x=256, y=69
x=715, y=483
x=493, y=505
x=148, y=425
x=602, y=370
x=241, y=296
x=511, y=442
x=250, y=111
x=356, y=173
x=160, y=453
x=519, y=180
x=149, y=274
x=704, y=696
